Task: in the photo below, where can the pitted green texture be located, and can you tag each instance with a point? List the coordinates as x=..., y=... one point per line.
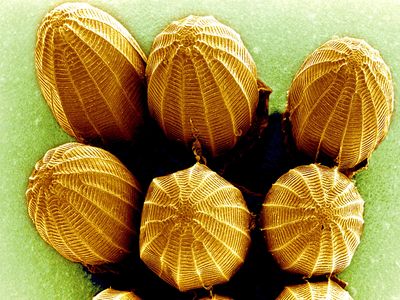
x=279, y=35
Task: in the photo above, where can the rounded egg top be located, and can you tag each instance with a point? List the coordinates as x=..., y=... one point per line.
x=202, y=83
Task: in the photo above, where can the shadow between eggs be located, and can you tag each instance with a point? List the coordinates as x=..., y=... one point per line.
x=253, y=173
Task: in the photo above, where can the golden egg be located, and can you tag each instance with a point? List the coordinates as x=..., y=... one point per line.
x=315, y=291
x=202, y=83
x=340, y=102
x=312, y=220
x=84, y=203
x=111, y=294
x=91, y=72
x=195, y=228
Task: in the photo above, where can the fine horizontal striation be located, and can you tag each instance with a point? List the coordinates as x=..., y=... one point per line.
x=111, y=294
x=202, y=82
x=194, y=229
x=84, y=203
x=312, y=219
x=315, y=291
x=91, y=72
x=341, y=101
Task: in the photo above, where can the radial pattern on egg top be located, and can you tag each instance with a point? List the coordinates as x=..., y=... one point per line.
x=194, y=229
x=315, y=291
x=340, y=102
x=312, y=220
x=202, y=82
x=91, y=72
x=84, y=203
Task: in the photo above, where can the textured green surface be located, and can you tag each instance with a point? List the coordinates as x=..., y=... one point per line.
x=279, y=35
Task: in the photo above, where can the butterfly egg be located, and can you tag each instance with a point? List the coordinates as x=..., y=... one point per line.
x=111, y=294
x=202, y=83
x=85, y=204
x=340, y=102
x=315, y=291
x=312, y=220
x=195, y=228
x=92, y=73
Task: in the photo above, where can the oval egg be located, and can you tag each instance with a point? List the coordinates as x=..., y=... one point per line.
x=312, y=220
x=92, y=73
x=195, y=228
x=85, y=204
x=340, y=102
x=202, y=83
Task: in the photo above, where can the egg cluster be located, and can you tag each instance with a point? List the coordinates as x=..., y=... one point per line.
x=199, y=86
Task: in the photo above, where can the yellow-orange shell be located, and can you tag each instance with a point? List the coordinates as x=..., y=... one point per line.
x=195, y=228
x=91, y=72
x=84, y=203
x=111, y=294
x=341, y=101
x=312, y=220
x=202, y=82
x=315, y=291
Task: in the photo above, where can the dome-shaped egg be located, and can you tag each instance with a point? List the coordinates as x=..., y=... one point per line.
x=312, y=220
x=84, y=203
x=91, y=72
x=340, y=102
x=202, y=83
x=111, y=294
x=195, y=228
x=315, y=291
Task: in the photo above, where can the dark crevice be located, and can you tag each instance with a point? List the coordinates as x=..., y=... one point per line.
x=253, y=172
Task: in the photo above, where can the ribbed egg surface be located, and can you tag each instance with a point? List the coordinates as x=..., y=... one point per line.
x=341, y=101
x=312, y=220
x=112, y=294
x=315, y=291
x=202, y=82
x=91, y=72
x=194, y=229
x=84, y=203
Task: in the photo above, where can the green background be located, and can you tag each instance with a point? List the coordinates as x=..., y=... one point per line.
x=279, y=35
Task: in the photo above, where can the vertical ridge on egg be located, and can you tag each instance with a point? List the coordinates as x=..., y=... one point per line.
x=341, y=101
x=315, y=291
x=91, y=72
x=194, y=229
x=202, y=81
x=84, y=202
x=312, y=220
